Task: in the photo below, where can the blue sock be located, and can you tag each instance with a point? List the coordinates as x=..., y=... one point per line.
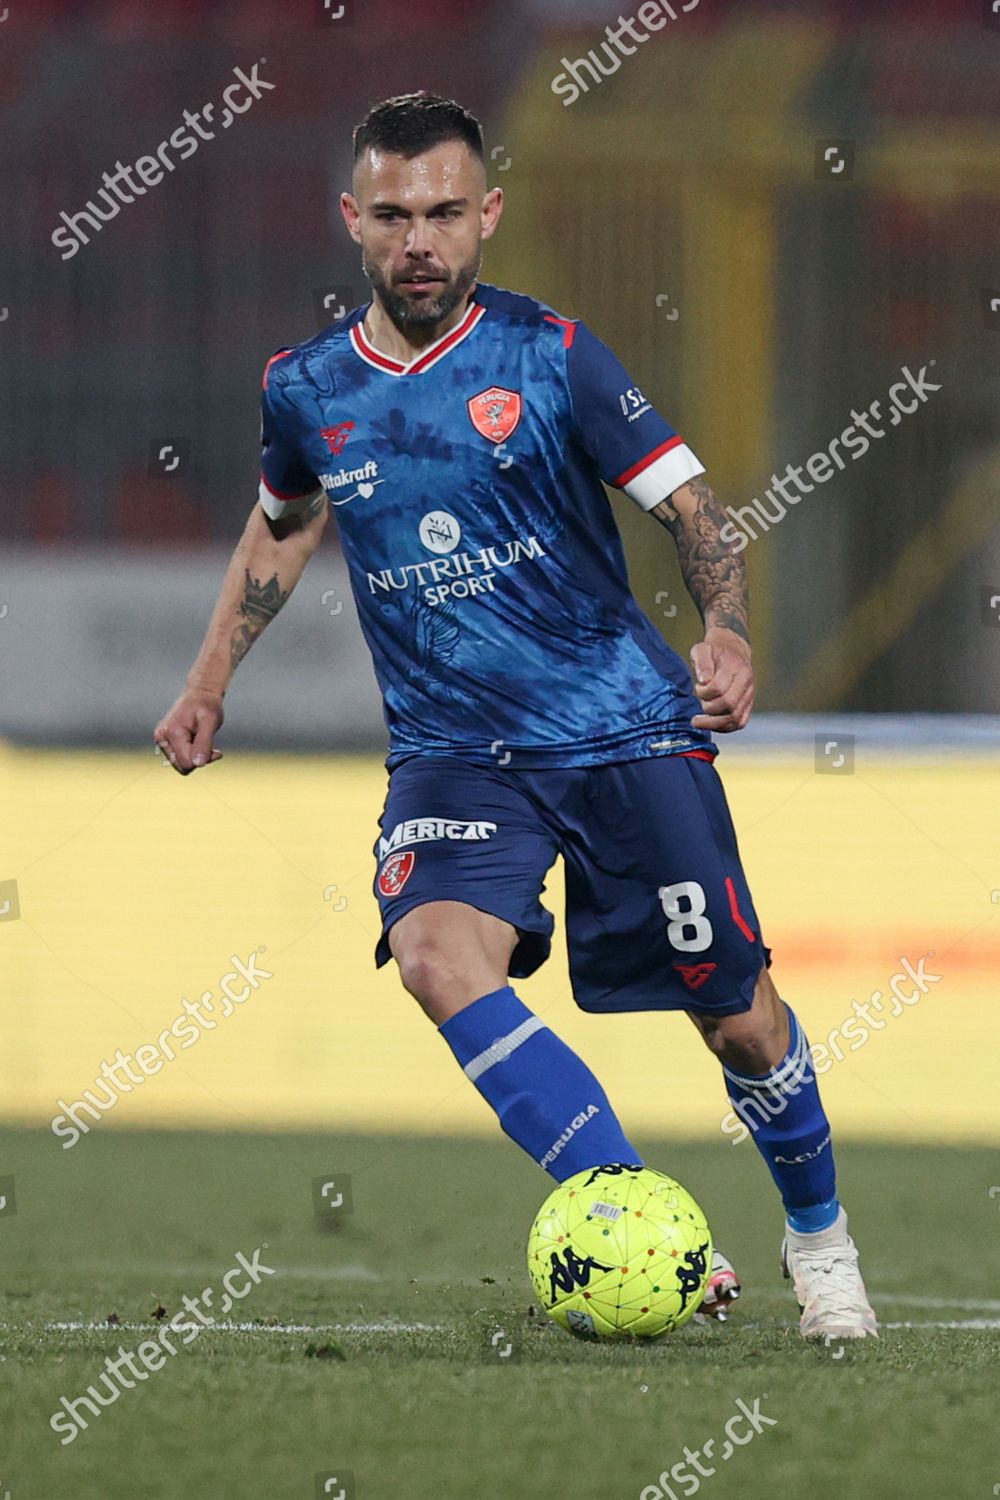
x=548, y=1101
x=784, y=1114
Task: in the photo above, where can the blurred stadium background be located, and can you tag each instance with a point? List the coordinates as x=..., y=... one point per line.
x=681, y=209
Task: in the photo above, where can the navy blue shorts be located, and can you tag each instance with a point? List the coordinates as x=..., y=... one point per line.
x=658, y=913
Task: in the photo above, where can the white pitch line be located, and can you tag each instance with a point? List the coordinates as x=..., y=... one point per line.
x=230, y=1327
x=356, y=1272
x=967, y=1323
x=955, y=1325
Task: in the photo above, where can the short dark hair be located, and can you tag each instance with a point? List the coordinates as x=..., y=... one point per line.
x=411, y=124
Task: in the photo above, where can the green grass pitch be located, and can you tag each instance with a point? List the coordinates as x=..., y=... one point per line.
x=395, y=1351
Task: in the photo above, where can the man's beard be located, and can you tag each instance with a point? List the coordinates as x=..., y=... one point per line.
x=406, y=314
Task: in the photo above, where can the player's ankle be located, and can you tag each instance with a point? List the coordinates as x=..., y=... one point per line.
x=813, y=1218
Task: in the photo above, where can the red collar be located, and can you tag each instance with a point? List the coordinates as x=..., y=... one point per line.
x=427, y=357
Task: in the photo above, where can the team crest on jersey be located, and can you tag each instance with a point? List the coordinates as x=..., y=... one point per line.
x=495, y=413
x=694, y=975
x=396, y=872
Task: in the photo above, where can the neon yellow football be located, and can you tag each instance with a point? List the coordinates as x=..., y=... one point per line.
x=620, y=1251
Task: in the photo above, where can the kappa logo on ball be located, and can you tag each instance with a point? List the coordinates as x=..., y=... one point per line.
x=495, y=413
x=396, y=872
x=694, y=975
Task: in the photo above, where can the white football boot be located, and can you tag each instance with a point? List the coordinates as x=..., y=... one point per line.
x=827, y=1279
x=722, y=1290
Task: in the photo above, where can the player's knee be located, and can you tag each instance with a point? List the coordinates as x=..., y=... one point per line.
x=754, y=1040
x=444, y=981
x=427, y=972
x=449, y=955
x=747, y=1054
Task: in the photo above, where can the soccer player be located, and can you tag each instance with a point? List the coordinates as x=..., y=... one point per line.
x=463, y=434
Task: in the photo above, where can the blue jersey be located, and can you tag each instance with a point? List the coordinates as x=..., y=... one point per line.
x=484, y=557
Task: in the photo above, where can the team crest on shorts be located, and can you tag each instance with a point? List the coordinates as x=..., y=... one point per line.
x=396, y=872
x=495, y=413
x=694, y=975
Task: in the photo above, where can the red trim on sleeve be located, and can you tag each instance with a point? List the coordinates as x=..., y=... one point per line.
x=735, y=912
x=568, y=327
x=277, y=493
x=281, y=354
x=644, y=463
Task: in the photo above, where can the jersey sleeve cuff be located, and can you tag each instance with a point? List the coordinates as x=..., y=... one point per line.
x=660, y=473
x=277, y=505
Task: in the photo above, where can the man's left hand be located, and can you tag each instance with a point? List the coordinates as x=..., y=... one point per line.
x=723, y=680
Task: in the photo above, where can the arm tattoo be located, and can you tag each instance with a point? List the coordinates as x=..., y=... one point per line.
x=259, y=605
x=715, y=575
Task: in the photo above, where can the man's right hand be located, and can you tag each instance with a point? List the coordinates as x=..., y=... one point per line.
x=185, y=735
